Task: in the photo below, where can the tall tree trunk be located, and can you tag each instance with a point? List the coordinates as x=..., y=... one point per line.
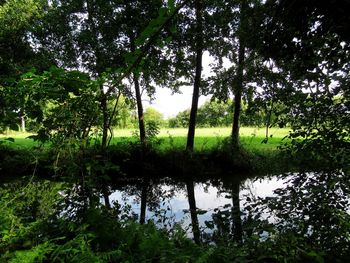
x=197, y=79
x=238, y=97
x=105, y=193
x=140, y=115
x=105, y=116
x=140, y=110
x=23, y=123
x=145, y=187
x=236, y=214
x=268, y=121
x=193, y=211
x=99, y=70
x=239, y=82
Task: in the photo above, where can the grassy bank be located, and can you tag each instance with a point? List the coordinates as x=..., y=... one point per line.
x=165, y=156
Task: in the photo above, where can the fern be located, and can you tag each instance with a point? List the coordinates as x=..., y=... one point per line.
x=36, y=254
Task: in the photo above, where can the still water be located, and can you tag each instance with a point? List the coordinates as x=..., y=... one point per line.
x=306, y=202
x=171, y=202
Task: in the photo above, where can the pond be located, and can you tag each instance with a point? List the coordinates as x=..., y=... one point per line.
x=202, y=207
x=170, y=202
x=233, y=207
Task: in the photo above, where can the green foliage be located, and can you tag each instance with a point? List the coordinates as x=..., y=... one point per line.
x=322, y=129
x=63, y=102
x=25, y=212
x=16, y=55
x=36, y=254
x=307, y=220
x=152, y=115
x=306, y=48
x=124, y=116
x=47, y=221
x=152, y=129
x=328, y=220
x=181, y=120
x=16, y=15
x=312, y=210
x=56, y=235
x=215, y=113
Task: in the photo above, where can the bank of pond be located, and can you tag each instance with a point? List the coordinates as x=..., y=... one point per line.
x=133, y=204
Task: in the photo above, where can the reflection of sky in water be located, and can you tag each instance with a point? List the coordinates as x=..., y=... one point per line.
x=207, y=198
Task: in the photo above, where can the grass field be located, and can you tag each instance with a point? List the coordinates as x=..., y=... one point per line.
x=206, y=138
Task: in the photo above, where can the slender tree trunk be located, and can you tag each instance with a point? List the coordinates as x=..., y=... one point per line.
x=193, y=115
x=23, y=123
x=140, y=110
x=193, y=211
x=106, y=196
x=236, y=214
x=144, y=191
x=105, y=117
x=197, y=79
x=239, y=84
x=99, y=70
x=23, y=120
x=238, y=97
x=140, y=115
x=268, y=121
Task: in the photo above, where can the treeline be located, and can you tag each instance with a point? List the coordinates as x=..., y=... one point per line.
x=213, y=113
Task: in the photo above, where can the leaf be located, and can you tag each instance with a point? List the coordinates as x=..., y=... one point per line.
x=265, y=140
x=201, y=212
x=316, y=256
x=171, y=5
x=209, y=224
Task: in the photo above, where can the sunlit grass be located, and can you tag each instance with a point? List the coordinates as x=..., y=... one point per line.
x=210, y=132
x=206, y=138
x=20, y=139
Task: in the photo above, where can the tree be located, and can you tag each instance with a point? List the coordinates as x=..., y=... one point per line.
x=17, y=56
x=108, y=49
x=151, y=114
x=123, y=115
x=197, y=76
x=230, y=32
x=180, y=120
x=63, y=102
x=305, y=42
x=239, y=75
x=215, y=113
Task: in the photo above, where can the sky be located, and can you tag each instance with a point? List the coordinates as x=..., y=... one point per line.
x=169, y=104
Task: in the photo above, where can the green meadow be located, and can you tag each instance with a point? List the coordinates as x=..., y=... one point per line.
x=252, y=138
x=207, y=138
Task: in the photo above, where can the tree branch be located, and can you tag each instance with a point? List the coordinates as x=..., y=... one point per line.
x=148, y=45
